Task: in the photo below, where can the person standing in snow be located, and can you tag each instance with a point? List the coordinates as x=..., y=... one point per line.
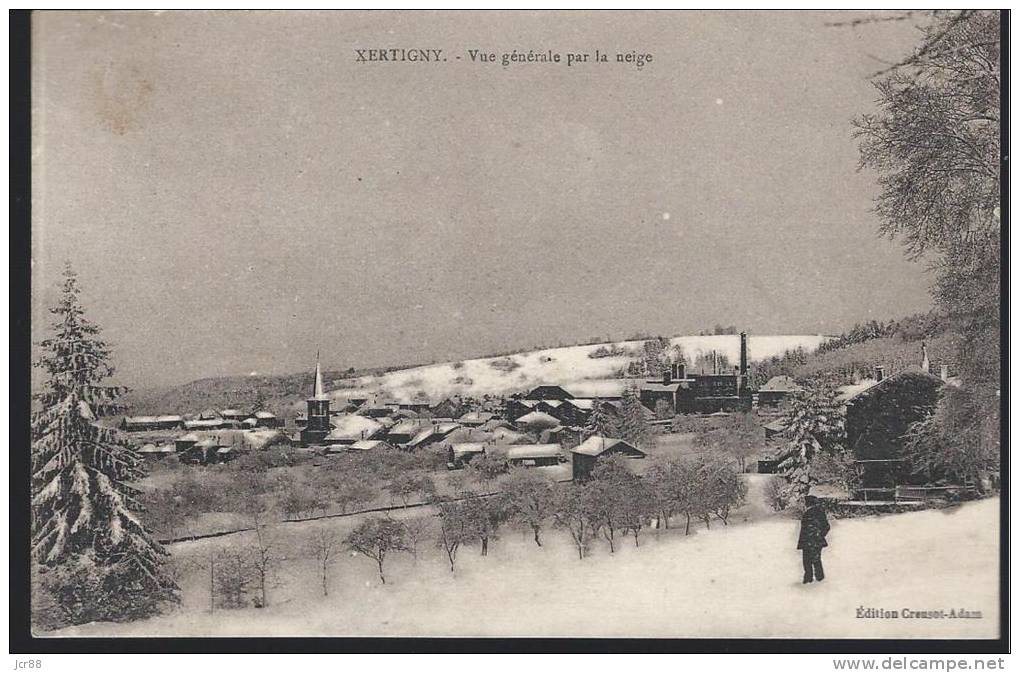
x=814, y=526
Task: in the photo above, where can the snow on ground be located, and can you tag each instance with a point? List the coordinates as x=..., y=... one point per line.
x=740, y=580
x=569, y=367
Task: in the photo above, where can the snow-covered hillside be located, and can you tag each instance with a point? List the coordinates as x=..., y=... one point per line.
x=570, y=367
x=737, y=581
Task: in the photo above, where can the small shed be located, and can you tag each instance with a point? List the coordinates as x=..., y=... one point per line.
x=534, y=455
x=596, y=447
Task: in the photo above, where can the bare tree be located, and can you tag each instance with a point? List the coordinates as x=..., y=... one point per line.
x=531, y=499
x=416, y=530
x=571, y=514
x=376, y=538
x=325, y=547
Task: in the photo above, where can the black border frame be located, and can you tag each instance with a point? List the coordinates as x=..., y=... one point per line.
x=21, y=639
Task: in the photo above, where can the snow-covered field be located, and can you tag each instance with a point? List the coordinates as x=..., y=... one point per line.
x=736, y=581
x=569, y=367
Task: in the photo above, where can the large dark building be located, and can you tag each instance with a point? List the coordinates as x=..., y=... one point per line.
x=877, y=419
x=700, y=393
x=317, y=426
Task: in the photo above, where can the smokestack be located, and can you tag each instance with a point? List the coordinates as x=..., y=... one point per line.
x=879, y=373
x=743, y=353
x=944, y=372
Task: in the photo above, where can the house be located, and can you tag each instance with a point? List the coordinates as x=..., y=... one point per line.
x=202, y=452
x=139, y=423
x=548, y=392
x=534, y=455
x=590, y=451
x=153, y=452
x=878, y=415
x=517, y=407
x=426, y=435
x=462, y=453
x=575, y=412
x=351, y=428
x=234, y=414
x=185, y=442
x=537, y=421
x=205, y=424
x=509, y=436
x=209, y=414
x=495, y=424
x=261, y=438
x=318, y=426
x=170, y=422
x=266, y=419
x=474, y=419
x=667, y=391
x=375, y=410
x=561, y=435
x=451, y=407
x=778, y=389
x=414, y=406
x=370, y=445
x=403, y=431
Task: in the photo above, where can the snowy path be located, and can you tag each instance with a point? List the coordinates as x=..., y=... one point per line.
x=736, y=581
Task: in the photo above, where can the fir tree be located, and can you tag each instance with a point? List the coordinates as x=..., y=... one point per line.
x=632, y=425
x=814, y=425
x=599, y=423
x=85, y=520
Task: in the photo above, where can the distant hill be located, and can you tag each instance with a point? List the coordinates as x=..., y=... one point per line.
x=588, y=370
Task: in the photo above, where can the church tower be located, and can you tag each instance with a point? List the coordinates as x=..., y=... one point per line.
x=314, y=433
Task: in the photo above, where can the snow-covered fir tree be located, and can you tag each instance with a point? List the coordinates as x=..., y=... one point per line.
x=599, y=422
x=100, y=560
x=814, y=425
x=632, y=425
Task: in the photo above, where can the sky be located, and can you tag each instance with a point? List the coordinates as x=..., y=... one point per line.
x=238, y=192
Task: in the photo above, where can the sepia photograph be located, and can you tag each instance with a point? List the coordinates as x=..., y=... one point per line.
x=665, y=325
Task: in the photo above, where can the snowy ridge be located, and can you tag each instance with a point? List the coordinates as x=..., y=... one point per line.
x=570, y=367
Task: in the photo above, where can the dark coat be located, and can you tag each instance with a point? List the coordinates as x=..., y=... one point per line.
x=814, y=526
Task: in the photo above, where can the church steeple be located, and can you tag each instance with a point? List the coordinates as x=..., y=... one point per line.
x=320, y=391
x=317, y=426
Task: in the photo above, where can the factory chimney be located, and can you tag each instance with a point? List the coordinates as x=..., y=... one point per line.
x=743, y=353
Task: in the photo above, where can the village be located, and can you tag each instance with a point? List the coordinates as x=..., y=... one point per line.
x=547, y=427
